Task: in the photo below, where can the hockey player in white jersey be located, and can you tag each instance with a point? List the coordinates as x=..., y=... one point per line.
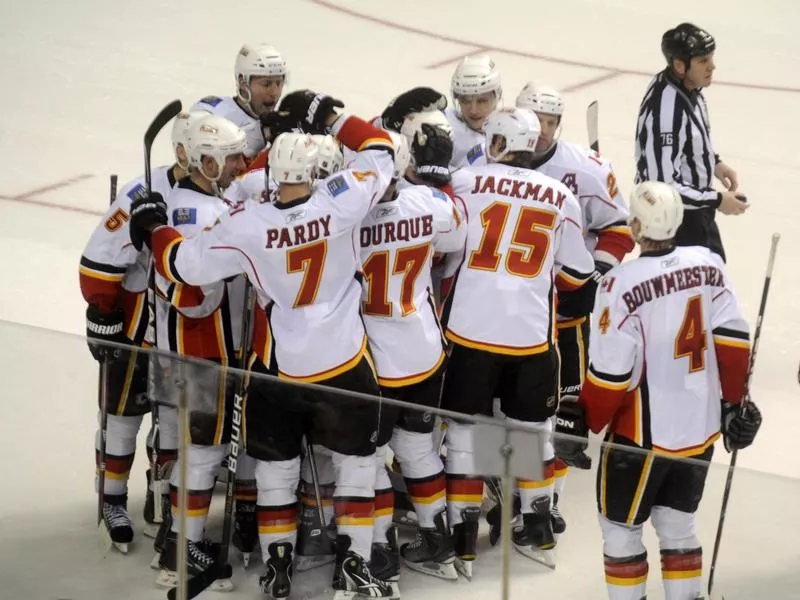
x=668, y=337
x=260, y=71
x=592, y=180
x=201, y=322
x=113, y=281
x=525, y=238
x=298, y=254
x=399, y=238
x=477, y=91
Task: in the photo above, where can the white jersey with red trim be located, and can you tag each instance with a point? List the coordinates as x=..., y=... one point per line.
x=591, y=179
x=201, y=321
x=469, y=146
x=302, y=258
x=668, y=341
x=252, y=187
x=227, y=107
x=524, y=236
x=112, y=272
x=398, y=240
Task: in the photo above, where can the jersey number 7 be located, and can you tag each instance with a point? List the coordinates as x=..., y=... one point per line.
x=529, y=244
x=310, y=261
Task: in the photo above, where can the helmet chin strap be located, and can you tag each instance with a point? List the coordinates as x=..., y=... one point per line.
x=245, y=97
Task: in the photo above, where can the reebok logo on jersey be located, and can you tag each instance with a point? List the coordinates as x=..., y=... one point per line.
x=184, y=216
x=295, y=216
x=337, y=186
x=135, y=191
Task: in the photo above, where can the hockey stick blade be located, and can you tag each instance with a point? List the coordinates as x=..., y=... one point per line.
x=199, y=583
x=592, y=125
x=169, y=112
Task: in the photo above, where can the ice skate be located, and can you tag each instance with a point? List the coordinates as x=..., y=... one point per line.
x=465, y=539
x=116, y=527
x=557, y=519
x=494, y=519
x=534, y=536
x=245, y=530
x=199, y=558
x=432, y=551
x=277, y=579
x=384, y=561
x=352, y=578
x=314, y=544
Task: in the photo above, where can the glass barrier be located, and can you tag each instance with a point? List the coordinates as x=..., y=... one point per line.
x=53, y=548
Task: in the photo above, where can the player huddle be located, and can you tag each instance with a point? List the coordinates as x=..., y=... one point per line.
x=456, y=255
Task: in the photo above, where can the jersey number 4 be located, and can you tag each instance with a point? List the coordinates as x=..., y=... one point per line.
x=530, y=240
x=408, y=262
x=692, y=341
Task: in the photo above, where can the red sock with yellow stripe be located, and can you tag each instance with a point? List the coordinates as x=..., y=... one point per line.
x=626, y=578
x=530, y=489
x=197, y=503
x=682, y=571
x=277, y=524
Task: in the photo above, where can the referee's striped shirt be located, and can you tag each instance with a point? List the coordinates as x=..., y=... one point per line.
x=673, y=142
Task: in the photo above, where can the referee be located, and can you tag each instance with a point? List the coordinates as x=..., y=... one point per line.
x=673, y=138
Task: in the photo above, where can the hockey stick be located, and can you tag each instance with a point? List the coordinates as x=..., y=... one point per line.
x=102, y=391
x=592, y=125
x=169, y=112
x=312, y=463
x=756, y=336
x=221, y=569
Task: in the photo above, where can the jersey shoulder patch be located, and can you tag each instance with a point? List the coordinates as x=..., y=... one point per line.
x=437, y=193
x=184, y=216
x=337, y=186
x=135, y=191
x=474, y=153
x=211, y=100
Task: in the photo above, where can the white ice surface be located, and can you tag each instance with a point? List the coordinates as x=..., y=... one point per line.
x=84, y=79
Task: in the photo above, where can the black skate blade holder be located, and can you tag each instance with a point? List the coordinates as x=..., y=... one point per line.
x=507, y=451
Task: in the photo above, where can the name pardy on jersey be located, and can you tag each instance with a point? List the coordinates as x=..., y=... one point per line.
x=667, y=283
x=310, y=231
x=518, y=188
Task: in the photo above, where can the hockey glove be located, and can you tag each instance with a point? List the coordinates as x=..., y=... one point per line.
x=432, y=151
x=579, y=303
x=275, y=123
x=419, y=99
x=147, y=213
x=571, y=421
x=103, y=328
x=310, y=109
x=739, y=425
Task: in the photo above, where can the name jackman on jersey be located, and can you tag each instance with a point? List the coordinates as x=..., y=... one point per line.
x=674, y=281
x=299, y=234
x=517, y=188
x=401, y=230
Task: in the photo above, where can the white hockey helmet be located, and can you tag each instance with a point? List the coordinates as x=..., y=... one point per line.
x=413, y=124
x=257, y=60
x=216, y=137
x=476, y=75
x=293, y=158
x=402, y=154
x=658, y=208
x=330, y=157
x=519, y=128
x=541, y=99
x=180, y=134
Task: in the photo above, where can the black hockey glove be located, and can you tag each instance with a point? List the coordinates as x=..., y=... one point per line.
x=739, y=426
x=432, y=151
x=579, y=303
x=147, y=213
x=275, y=123
x=102, y=328
x=571, y=421
x=310, y=109
x=419, y=99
